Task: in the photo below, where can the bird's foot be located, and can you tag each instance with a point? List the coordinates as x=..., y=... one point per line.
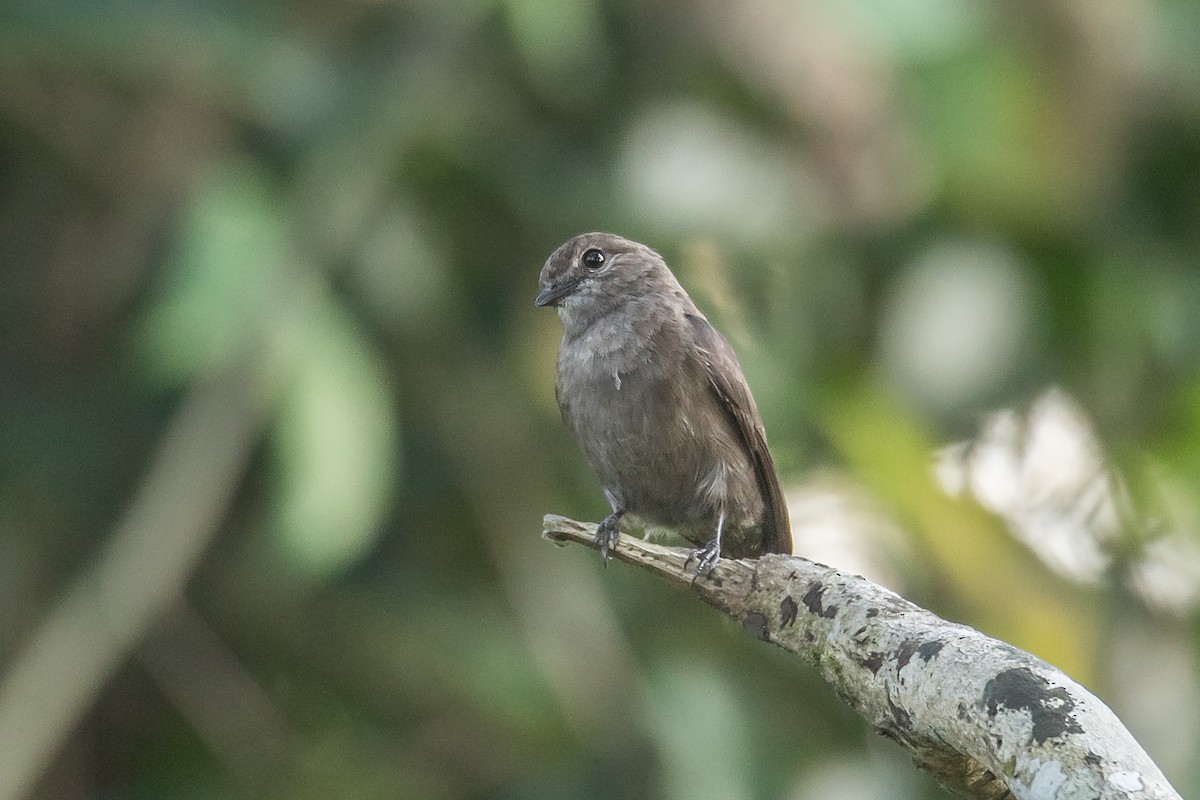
x=608, y=533
x=706, y=558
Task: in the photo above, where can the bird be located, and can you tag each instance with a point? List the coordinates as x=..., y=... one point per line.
x=658, y=403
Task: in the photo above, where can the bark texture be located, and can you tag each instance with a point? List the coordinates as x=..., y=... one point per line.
x=984, y=718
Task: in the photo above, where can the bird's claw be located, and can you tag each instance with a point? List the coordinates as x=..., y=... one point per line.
x=608, y=533
x=706, y=558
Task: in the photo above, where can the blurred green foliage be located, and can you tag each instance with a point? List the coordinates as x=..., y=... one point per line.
x=907, y=215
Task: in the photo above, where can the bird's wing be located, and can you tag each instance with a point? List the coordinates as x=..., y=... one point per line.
x=727, y=382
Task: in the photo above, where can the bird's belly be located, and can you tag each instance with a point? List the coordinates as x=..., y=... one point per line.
x=643, y=442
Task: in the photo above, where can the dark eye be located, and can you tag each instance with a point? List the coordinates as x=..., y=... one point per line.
x=592, y=259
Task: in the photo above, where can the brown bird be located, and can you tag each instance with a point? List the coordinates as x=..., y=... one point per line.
x=658, y=403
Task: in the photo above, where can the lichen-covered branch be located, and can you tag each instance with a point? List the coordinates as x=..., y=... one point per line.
x=984, y=718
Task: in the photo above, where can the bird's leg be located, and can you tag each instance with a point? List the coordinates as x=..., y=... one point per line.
x=608, y=532
x=708, y=555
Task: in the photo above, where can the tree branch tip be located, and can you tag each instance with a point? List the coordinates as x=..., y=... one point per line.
x=987, y=720
x=562, y=530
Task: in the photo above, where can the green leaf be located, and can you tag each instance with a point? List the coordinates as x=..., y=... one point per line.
x=227, y=263
x=336, y=441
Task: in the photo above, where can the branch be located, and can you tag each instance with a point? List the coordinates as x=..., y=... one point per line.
x=985, y=719
x=139, y=573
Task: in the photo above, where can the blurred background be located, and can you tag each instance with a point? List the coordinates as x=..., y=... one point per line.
x=277, y=422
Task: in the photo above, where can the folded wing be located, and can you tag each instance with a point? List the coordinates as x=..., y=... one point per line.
x=725, y=377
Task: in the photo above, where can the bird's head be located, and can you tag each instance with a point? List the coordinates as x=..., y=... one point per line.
x=594, y=274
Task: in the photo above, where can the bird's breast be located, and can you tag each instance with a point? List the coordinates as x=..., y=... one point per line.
x=651, y=427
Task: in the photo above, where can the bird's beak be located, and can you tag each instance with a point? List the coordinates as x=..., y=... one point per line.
x=551, y=295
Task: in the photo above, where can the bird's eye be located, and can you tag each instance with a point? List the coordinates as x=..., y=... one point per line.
x=593, y=258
